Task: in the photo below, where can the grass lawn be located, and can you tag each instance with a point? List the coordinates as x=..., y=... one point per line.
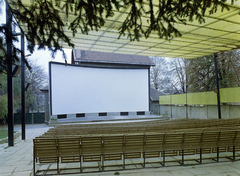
x=3, y=133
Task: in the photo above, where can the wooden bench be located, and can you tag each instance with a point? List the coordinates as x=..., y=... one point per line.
x=45, y=151
x=73, y=148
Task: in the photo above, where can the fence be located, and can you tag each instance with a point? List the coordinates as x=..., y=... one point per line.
x=31, y=118
x=227, y=95
x=199, y=112
x=201, y=105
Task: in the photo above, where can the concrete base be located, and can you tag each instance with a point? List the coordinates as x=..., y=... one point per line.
x=100, y=114
x=105, y=119
x=198, y=111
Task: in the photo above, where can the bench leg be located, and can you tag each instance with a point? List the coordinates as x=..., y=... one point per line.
x=163, y=158
x=123, y=161
x=80, y=164
x=217, y=154
x=57, y=165
x=143, y=159
x=102, y=163
x=233, y=153
x=34, y=162
x=200, y=156
x=182, y=157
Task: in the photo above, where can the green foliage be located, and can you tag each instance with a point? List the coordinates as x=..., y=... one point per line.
x=3, y=97
x=3, y=107
x=116, y=173
x=8, y=33
x=33, y=97
x=3, y=133
x=45, y=23
x=46, y=27
x=3, y=83
x=4, y=58
x=201, y=72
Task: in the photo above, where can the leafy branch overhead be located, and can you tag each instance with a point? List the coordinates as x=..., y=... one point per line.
x=45, y=21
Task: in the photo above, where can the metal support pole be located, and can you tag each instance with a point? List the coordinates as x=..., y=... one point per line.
x=9, y=76
x=159, y=109
x=23, y=86
x=217, y=84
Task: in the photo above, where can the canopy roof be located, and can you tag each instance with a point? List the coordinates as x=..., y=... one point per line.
x=110, y=58
x=220, y=32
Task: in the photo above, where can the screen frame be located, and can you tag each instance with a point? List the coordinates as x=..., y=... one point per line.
x=107, y=66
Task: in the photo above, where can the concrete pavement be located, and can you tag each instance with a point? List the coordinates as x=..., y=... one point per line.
x=17, y=161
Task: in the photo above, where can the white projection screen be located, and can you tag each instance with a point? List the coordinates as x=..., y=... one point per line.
x=79, y=89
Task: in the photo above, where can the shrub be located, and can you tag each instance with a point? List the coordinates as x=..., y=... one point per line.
x=3, y=109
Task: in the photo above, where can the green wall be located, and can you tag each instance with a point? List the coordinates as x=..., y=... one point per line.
x=227, y=95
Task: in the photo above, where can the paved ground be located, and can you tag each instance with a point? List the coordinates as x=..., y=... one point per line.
x=17, y=161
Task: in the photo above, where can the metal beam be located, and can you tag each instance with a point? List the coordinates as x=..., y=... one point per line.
x=9, y=76
x=23, y=86
x=217, y=85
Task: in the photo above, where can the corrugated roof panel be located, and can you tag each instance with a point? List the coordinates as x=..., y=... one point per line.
x=234, y=18
x=104, y=47
x=112, y=44
x=135, y=46
x=234, y=36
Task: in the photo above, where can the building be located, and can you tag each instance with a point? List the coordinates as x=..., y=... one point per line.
x=45, y=91
x=154, y=100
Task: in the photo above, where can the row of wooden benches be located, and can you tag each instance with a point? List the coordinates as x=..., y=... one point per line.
x=147, y=130
x=121, y=147
x=166, y=126
x=178, y=122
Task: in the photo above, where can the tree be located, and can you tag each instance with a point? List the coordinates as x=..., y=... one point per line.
x=175, y=77
x=34, y=97
x=3, y=108
x=201, y=72
x=179, y=67
x=3, y=98
x=169, y=77
x=46, y=27
x=37, y=79
x=229, y=69
x=157, y=72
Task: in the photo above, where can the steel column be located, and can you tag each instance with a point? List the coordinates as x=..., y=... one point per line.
x=23, y=86
x=217, y=84
x=9, y=76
